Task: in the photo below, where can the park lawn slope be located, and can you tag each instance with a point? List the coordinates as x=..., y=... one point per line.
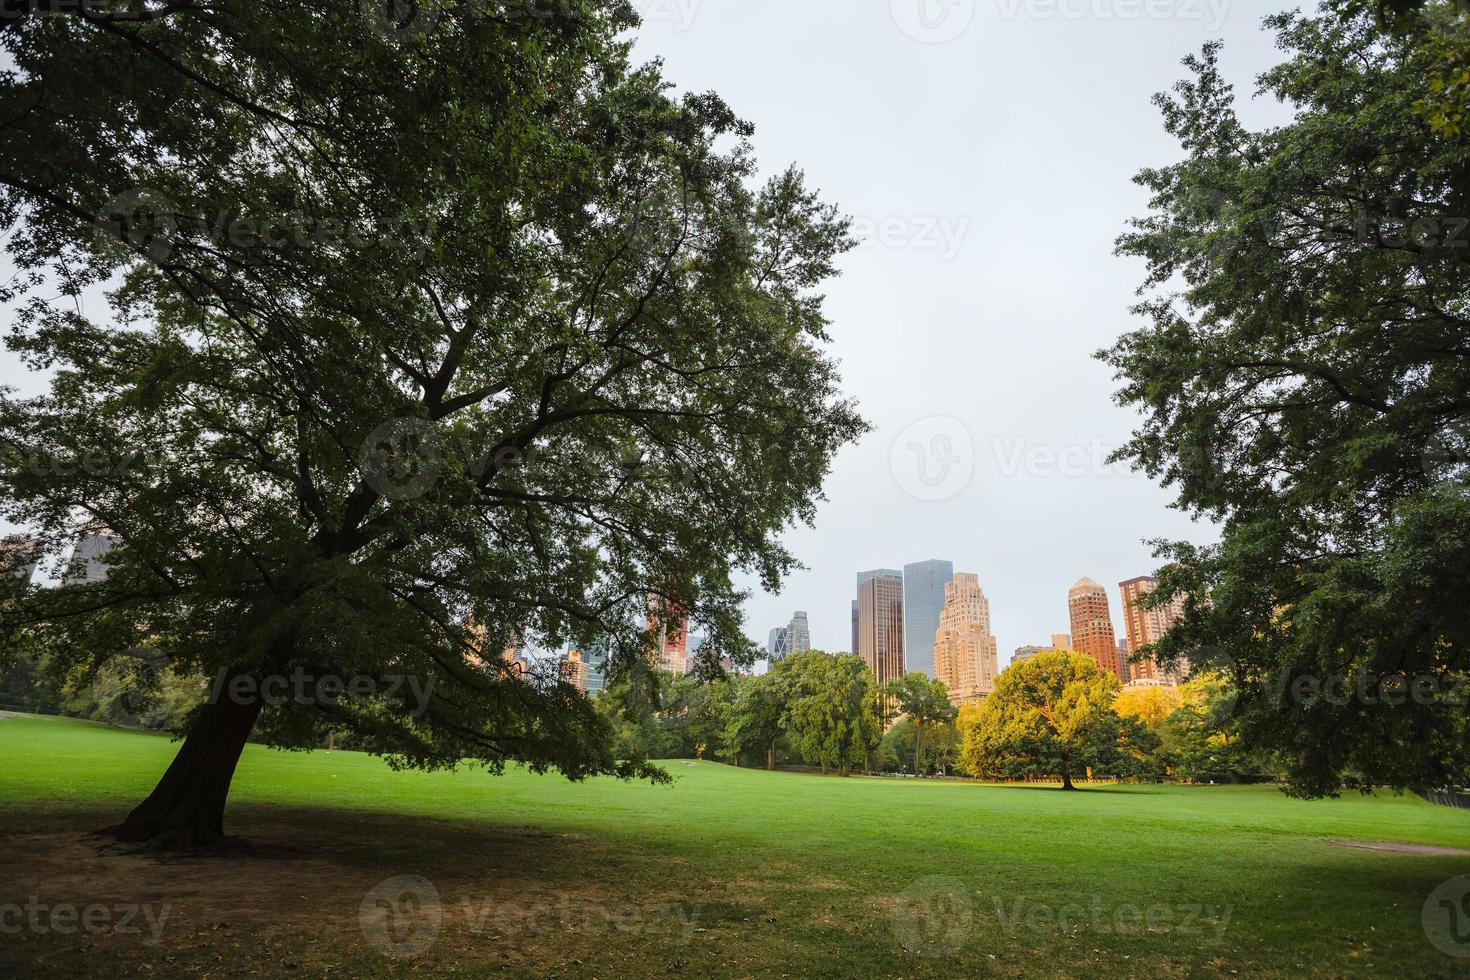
x=727, y=872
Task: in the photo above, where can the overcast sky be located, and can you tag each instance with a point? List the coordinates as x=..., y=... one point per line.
x=988, y=148
x=985, y=149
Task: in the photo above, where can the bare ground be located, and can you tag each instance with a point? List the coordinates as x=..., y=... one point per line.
x=516, y=902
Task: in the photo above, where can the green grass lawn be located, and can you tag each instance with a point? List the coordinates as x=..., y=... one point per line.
x=727, y=872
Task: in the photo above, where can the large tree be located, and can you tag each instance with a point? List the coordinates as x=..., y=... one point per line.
x=923, y=701
x=832, y=710
x=430, y=330
x=755, y=720
x=1304, y=380
x=1053, y=716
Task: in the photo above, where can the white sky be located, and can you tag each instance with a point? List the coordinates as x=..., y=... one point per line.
x=1001, y=163
x=986, y=150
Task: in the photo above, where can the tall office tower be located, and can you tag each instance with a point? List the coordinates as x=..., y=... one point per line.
x=1125, y=669
x=87, y=565
x=1147, y=626
x=1061, y=641
x=574, y=670
x=777, y=644
x=19, y=556
x=798, y=634
x=596, y=656
x=1092, y=625
x=672, y=640
x=862, y=578
x=880, y=625
x=923, y=600
x=965, y=657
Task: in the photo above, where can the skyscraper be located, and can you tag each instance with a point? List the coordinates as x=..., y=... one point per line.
x=777, y=646
x=863, y=577
x=1061, y=641
x=880, y=625
x=1147, y=626
x=596, y=657
x=574, y=670
x=1092, y=625
x=19, y=556
x=87, y=563
x=1125, y=669
x=923, y=601
x=798, y=634
x=672, y=640
x=965, y=656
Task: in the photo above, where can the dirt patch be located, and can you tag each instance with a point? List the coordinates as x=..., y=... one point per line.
x=330, y=891
x=1419, y=850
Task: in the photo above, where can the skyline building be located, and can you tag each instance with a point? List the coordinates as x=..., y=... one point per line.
x=1061, y=641
x=924, y=598
x=863, y=577
x=880, y=625
x=798, y=634
x=1024, y=654
x=20, y=555
x=1125, y=669
x=965, y=656
x=1092, y=625
x=87, y=565
x=596, y=656
x=1147, y=626
x=672, y=640
x=574, y=670
x=776, y=646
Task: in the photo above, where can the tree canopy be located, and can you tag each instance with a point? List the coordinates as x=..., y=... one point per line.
x=422, y=339
x=923, y=701
x=1053, y=715
x=1304, y=380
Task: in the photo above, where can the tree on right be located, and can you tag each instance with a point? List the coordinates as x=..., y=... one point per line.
x=1303, y=380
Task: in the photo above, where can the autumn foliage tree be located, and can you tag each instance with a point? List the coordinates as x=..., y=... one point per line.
x=1052, y=716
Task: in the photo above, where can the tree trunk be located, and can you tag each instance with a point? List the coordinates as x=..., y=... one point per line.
x=186, y=810
x=771, y=756
x=1067, y=780
x=918, y=745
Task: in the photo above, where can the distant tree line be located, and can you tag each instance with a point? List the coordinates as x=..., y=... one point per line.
x=1056, y=716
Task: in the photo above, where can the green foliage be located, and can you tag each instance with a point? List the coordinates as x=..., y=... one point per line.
x=1052, y=716
x=755, y=721
x=420, y=342
x=923, y=701
x=832, y=711
x=23, y=680
x=1303, y=382
x=896, y=753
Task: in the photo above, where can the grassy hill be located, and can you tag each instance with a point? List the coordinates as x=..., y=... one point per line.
x=727, y=872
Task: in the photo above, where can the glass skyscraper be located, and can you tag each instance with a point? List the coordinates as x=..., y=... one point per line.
x=923, y=603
